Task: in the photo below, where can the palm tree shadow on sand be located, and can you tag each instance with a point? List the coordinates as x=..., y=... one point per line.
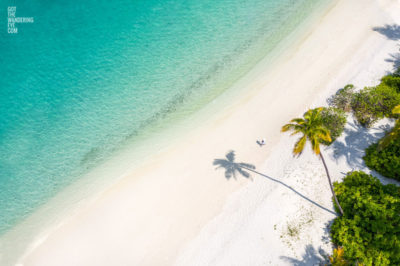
x=310, y=257
x=231, y=168
x=392, y=32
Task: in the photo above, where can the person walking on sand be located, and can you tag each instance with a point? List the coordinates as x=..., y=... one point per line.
x=262, y=142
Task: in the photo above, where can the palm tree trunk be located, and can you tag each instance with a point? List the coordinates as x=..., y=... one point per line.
x=330, y=183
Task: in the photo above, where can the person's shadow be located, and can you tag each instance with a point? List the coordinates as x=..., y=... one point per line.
x=231, y=168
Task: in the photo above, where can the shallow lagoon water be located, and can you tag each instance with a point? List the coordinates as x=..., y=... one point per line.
x=89, y=76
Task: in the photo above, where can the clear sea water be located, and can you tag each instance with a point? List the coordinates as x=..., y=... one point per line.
x=87, y=76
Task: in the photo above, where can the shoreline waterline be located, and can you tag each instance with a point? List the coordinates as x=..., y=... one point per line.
x=125, y=157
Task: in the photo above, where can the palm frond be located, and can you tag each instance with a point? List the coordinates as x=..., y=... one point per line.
x=295, y=132
x=323, y=134
x=315, y=145
x=299, y=121
x=287, y=127
x=307, y=115
x=311, y=126
x=299, y=146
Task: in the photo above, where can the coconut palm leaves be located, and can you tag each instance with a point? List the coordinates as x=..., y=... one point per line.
x=311, y=128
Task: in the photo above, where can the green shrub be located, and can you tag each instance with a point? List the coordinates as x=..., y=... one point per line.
x=369, y=230
x=385, y=161
x=396, y=73
x=334, y=120
x=371, y=104
x=392, y=81
x=342, y=98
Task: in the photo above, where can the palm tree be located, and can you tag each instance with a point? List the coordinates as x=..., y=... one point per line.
x=392, y=134
x=312, y=129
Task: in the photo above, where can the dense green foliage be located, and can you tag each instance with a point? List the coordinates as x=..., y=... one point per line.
x=334, y=120
x=369, y=230
x=371, y=104
x=385, y=161
x=393, y=134
x=342, y=99
x=337, y=258
x=392, y=81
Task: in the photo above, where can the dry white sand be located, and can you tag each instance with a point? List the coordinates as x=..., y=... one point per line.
x=178, y=209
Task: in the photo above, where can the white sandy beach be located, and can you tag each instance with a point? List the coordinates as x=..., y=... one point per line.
x=178, y=209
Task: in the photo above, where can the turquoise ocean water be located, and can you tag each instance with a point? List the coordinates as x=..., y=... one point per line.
x=87, y=76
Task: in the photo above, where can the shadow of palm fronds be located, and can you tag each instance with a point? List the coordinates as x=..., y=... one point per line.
x=395, y=60
x=310, y=257
x=392, y=32
x=231, y=167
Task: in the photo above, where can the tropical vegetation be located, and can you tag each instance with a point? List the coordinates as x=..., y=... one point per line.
x=337, y=258
x=385, y=161
x=371, y=103
x=333, y=119
x=369, y=229
x=394, y=133
x=384, y=156
x=342, y=99
x=312, y=129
